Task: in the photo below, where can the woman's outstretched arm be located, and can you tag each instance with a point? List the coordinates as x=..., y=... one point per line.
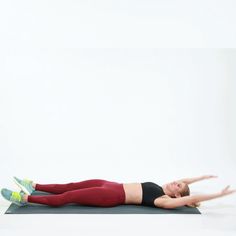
x=188, y=200
x=195, y=179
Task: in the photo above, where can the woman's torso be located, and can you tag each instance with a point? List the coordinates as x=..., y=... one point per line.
x=134, y=193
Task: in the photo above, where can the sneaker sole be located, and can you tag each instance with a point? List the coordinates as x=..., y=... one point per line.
x=18, y=204
x=22, y=187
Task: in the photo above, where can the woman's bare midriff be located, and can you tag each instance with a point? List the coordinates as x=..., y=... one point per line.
x=133, y=193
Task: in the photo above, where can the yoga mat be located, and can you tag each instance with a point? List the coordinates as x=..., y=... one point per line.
x=33, y=208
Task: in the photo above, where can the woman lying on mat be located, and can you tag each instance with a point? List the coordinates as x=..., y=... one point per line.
x=99, y=192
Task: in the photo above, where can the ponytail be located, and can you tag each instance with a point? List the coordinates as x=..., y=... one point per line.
x=186, y=192
x=197, y=204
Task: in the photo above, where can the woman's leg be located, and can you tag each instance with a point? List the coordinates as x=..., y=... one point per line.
x=61, y=188
x=108, y=195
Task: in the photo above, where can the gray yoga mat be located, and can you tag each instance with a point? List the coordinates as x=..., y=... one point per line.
x=33, y=208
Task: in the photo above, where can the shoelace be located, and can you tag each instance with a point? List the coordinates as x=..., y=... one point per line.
x=16, y=196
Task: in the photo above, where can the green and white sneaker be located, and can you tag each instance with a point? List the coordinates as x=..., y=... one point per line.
x=14, y=197
x=25, y=185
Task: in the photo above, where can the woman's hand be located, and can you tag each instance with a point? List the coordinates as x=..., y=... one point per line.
x=209, y=176
x=226, y=191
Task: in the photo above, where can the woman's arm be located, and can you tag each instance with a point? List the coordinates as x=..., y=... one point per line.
x=188, y=200
x=195, y=179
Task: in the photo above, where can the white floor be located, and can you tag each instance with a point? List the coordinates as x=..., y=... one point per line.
x=218, y=218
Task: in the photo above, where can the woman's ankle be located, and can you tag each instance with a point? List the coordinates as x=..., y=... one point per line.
x=25, y=198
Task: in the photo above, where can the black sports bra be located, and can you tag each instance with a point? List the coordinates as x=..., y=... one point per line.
x=151, y=191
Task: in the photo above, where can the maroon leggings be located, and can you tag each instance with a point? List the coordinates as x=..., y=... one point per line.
x=93, y=192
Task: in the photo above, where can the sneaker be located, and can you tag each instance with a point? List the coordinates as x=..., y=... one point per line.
x=25, y=185
x=14, y=197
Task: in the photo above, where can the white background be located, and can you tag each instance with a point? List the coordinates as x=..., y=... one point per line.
x=111, y=24
x=127, y=91
x=120, y=114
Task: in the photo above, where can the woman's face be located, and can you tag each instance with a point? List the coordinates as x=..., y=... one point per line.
x=176, y=187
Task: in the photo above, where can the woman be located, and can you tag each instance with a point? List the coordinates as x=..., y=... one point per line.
x=99, y=192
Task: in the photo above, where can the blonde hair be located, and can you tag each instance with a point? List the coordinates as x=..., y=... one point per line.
x=197, y=204
x=186, y=192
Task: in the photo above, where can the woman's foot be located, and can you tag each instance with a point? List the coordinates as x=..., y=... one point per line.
x=26, y=185
x=18, y=198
